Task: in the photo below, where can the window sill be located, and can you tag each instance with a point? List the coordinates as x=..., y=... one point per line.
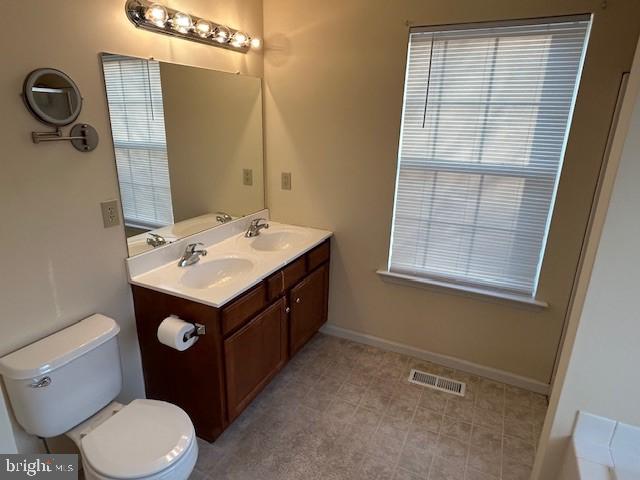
x=420, y=282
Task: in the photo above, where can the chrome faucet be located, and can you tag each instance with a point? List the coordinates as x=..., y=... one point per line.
x=223, y=217
x=192, y=254
x=255, y=226
x=156, y=240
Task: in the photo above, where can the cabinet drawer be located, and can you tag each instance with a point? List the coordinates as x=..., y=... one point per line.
x=234, y=315
x=278, y=283
x=318, y=256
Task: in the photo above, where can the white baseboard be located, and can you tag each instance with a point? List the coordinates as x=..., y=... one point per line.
x=440, y=359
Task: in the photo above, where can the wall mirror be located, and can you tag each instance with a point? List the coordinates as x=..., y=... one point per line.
x=188, y=147
x=52, y=97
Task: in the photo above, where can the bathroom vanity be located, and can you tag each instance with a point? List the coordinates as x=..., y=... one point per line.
x=185, y=178
x=249, y=336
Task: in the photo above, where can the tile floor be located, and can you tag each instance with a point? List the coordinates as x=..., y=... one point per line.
x=343, y=410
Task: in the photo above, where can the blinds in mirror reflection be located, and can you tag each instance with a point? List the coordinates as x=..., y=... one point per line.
x=134, y=92
x=484, y=127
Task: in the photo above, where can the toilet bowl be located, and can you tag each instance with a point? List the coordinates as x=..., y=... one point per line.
x=146, y=439
x=66, y=383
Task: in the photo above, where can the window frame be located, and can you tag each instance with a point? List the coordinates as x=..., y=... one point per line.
x=549, y=176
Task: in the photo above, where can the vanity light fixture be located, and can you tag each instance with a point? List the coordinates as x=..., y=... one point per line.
x=160, y=19
x=240, y=39
x=221, y=34
x=181, y=22
x=203, y=28
x=157, y=15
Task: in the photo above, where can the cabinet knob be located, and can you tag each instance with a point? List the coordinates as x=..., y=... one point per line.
x=287, y=310
x=298, y=300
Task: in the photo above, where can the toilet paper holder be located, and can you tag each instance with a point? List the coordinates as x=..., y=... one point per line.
x=198, y=330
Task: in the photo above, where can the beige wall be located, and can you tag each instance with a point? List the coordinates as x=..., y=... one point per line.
x=59, y=264
x=213, y=123
x=599, y=364
x=334, y=74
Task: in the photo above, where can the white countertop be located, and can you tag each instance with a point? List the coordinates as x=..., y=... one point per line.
x=233, y=263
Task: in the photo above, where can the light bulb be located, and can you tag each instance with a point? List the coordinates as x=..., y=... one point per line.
x=256, y=43
x=239, y=39
x=181, y=22
x=157, y=15
x=221, y=34
x=203, y=28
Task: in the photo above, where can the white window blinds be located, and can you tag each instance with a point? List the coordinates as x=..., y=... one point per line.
x=134, y=93
x=484, y=127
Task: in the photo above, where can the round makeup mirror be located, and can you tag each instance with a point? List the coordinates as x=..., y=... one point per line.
x=52, y=97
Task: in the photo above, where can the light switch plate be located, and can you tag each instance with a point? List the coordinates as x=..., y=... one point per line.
x=110, y=213
x=247, y=176
x=286, y=181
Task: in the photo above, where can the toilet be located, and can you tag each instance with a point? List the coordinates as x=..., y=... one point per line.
x=66, y=383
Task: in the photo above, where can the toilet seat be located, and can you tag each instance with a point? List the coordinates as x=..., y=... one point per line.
x=181, y=470
x=142, y=440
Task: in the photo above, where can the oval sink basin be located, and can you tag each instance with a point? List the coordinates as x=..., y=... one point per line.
x=276, y=241
x=216, y=272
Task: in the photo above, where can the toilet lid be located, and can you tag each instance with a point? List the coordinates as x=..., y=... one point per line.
x=142, y=439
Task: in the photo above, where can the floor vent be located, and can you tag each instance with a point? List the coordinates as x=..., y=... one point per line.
x=437, y=382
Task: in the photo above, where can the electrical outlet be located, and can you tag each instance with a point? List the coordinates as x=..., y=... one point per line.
x=286, y=181
x=247, y=176
x=110, y=213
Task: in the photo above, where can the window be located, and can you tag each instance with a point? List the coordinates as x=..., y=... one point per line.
x=134, y=93
x=486, y=116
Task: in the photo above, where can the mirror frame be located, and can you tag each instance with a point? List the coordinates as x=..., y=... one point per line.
x=36, y=111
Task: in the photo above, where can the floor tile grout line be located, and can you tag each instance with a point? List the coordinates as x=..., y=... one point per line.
x=473, y=414
x=360, y=404
x=357, y=406
x=406, y=435
x=437, y=446
x=413, y=416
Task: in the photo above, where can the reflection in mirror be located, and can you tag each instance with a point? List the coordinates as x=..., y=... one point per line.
x=52, y=96
x=188, y=147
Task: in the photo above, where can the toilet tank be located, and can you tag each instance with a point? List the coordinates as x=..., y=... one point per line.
x=63, y=379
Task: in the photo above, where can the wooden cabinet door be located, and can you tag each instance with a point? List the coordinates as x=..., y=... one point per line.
x=253, y=355
x=308, y=308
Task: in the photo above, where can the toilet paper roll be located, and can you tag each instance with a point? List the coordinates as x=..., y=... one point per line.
x=172, y=331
